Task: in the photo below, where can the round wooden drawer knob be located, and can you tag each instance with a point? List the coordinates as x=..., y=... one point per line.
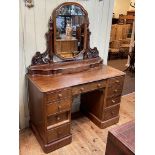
x=82, y=89
x=113, y=101
x=59, y=107
x=99, y=85
x=115, y=90
x=60, y=95
x=58, y=118
x=117, y=81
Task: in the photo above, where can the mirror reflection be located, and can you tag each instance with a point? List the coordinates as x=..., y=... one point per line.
x=69, y=31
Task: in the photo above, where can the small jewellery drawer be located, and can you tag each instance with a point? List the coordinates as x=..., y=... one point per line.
x=119, y=80
x=115, y=90
x=113, y=101
x=54, y=119
x=58, y=132
x=88, y=87
x=58, y=106
x=59, y=94
x=111, y=112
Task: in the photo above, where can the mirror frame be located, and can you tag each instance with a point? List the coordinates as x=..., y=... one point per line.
x=47, y=56
x=86, y=22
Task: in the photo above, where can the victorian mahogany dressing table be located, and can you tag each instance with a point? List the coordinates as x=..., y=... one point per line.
x=52, y=85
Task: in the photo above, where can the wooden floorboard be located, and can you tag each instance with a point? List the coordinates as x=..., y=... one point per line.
x=87, y=138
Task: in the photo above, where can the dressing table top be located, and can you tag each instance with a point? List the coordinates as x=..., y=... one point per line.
x=50, y=83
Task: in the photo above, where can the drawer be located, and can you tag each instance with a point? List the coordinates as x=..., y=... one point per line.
x=117, y=81
x=113, y=101
x=58, y=132
x=58, y=95
x=88, y=87
x=109, y=113
x=54, y=119
x=115, y=90
x=58, y=106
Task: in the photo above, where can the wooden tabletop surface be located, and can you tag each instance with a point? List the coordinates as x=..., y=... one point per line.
x=50, y=83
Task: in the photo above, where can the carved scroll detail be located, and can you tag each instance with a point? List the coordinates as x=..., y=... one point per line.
x=91, y=53
x=39, y=58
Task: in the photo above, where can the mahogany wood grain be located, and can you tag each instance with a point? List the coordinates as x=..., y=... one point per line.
x=121, y=140
x=51, y=99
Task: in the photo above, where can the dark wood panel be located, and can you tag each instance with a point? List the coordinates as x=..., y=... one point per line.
x=37, y=109
x=93, y=102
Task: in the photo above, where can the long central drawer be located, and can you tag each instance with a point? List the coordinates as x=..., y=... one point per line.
x=83, y=88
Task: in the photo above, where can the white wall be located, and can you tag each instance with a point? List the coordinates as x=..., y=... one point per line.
x=33, y=26
x=131, y=8
x=121, y=7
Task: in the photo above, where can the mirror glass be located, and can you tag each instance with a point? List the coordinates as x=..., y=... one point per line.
x=69, y=31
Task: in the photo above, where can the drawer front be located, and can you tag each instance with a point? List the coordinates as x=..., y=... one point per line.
x=54, y=119
x=58, y=132
x=113, y=101
x=58, y=106
x=58, y=95
x=88, y=87
x=111, y=112
x=114, y=91
x=117, y=81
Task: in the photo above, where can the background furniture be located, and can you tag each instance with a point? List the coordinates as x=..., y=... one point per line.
x=119, y=41
x=121, y=32
x=121, y=140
